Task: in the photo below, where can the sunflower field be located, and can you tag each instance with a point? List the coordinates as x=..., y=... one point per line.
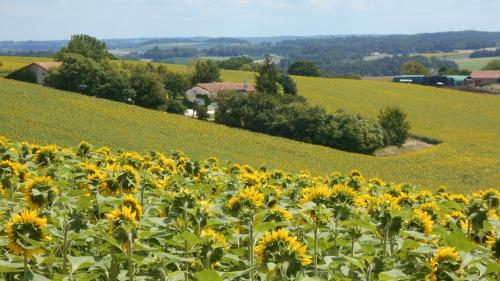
x=86, y=213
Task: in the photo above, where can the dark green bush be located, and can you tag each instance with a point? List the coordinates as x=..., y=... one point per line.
x=397, y=128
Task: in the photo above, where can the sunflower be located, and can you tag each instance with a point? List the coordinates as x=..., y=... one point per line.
x=342, y=193
x=423, y=196
x=491, y=196
x=377, y=182
x=124, y=178
x=212, y=249
x=104, y=150
x=458, y=218
x=445, y=259
x=493, y=242
x=279, y=247
x=277, y=214
x=132, y=202
x=320, y=194
x=46, y=154
x=84, y=148
x=40, y=192
x=3, y=192
x=430, y=208
x=421, y=221
x=117, y=218
x=250, y=198
x=28, y=224
x=459, y=198
x=9, y=169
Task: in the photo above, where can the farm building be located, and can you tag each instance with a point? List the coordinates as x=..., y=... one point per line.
x=440, y=81
x=211, y=90
x=486, y=77
x=33, y=73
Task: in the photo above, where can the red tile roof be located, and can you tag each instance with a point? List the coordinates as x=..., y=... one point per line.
x=48, y=64
x=486, y=74
x=226, y=87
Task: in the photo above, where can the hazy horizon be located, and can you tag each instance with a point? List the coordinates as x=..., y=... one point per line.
x=44, y=20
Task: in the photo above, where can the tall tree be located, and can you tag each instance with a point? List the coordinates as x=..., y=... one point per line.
x=149, y=90
x=414, y=68
x=268, y=77
x=176, y=83
x=76, y=74
x=289, y=86
x=304, y=68
x=85, y=45
x=493, y=65
x=205, y=71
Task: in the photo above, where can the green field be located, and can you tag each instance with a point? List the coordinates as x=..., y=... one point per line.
x=475, y=64
x=468, y=124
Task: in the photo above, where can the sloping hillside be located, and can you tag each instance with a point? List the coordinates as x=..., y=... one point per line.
x=468, y=125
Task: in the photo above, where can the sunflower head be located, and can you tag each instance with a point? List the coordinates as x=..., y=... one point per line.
x=46, y=155
x=457, y=218
x=277, y=214
x=130, y=201
x=490, y=196
x=84, y=149
x=445, y=259
x=319, y=194
x=279, y=247
x=118, y=218
x=430, y=208
x=3, y=192
x=342, y=193
x=247, y=201
x=459, y=198
x=125, y=178
x=40, y=192
x=213, y=246
x=26, y=223
x=420, y=221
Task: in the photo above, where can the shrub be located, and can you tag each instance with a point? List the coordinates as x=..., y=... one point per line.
x=357, y=133
x=395, y=125
x=174, y=106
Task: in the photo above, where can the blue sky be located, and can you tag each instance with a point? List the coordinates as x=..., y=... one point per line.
x=58, y=19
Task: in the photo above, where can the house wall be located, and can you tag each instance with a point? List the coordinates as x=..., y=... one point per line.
x=39, y=73
x=191, y=93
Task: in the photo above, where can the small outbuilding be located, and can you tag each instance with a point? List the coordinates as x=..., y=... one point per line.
x=211, y=90
x=34, y=73
x=485, y=77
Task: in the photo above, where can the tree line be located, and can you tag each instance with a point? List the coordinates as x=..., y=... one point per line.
x=274, y=111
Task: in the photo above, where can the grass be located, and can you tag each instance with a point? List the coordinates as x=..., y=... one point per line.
x=9, y=63
x=475, y=64
x=468, y=124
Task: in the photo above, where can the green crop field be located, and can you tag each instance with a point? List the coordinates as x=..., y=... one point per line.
x=475, y=64
x=467, y=124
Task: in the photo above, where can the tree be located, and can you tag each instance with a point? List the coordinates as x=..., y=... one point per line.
x=493, y=65
x=268, y=77
x=235, y=63
x=174, y=106
x=149, y=90
x=85, y=45
x=176, y=83
x=205, y=71
x=289, y=86
x=414, y=68
x=304, y=68
x=77, y=74
x=396, y=127
x=115, y=85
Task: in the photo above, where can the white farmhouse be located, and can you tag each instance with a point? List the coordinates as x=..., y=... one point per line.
x=211, y=90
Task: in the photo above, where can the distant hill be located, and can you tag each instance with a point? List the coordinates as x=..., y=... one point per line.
x=467, y=124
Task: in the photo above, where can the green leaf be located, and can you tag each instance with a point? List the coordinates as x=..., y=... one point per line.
x=10, y=267
x=459, y=241
x=80, y=262
x=392, y=275
x=208, y=275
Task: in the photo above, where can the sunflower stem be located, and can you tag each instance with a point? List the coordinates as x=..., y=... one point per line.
x=315, y=247
x=250, y=248
x=129, y=257
x=185, y=241
x=65, y=246
x=25, y=276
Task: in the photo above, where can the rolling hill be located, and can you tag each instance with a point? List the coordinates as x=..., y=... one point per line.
x=467, y=124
